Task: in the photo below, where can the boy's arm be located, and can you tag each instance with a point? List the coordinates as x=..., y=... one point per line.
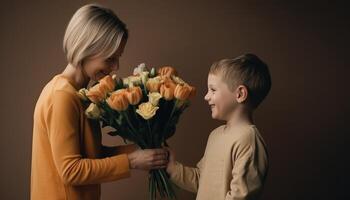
x=248, y=173
x=186, y=177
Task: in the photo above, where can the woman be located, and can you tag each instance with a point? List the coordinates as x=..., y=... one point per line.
x=68, y=159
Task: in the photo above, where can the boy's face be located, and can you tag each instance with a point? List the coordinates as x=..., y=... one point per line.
x=221, y=99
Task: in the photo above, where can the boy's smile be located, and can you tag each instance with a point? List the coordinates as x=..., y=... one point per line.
x=220, y=98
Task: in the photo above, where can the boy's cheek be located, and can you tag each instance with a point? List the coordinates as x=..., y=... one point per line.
x=213, y=113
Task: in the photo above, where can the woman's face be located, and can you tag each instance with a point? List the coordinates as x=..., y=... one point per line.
x=96, y=68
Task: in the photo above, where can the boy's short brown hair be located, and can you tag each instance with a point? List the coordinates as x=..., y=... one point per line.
x=248, y=70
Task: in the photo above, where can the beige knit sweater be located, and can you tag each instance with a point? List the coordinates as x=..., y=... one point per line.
x=234, y=166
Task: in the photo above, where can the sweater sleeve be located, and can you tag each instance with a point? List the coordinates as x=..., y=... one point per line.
x=187, y=177
x=246, y=180
x=64, y=137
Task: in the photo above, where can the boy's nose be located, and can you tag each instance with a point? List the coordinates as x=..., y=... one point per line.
x=206, y=97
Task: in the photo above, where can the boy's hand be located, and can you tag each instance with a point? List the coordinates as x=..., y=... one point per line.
x=171, y=161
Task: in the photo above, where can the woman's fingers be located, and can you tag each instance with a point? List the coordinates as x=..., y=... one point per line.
x=159, y=159
x=159, y=165
x=149, y=159
x=159, y=151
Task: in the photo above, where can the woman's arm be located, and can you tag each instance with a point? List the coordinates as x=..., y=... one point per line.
x=63, y=125
x=64, y=138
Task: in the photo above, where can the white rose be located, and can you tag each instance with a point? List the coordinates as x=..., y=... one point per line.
x=140, y=68
x=135, y=80
x=147, y=110
x=154, y=97
x=82, y=94
x=178, y=80
x=132, y=81
x=93, y=112
x=144, y=77
x=153, y=72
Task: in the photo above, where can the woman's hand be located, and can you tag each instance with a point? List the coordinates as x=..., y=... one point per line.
x=172, y=162
x=148, y=159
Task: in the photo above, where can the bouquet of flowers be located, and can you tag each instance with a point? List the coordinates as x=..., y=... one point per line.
x=143, y=108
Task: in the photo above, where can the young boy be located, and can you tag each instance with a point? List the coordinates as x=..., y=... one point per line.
x=235, y=162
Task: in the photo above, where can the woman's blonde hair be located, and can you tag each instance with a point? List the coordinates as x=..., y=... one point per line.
x=93, y=31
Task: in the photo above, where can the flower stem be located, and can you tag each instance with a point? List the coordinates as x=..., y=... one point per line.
x=167, y=123
x=133, y=131
x=150, y=134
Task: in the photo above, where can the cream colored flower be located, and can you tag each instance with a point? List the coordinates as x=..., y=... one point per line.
x=132, y=81
x=82, y=94
x=126, y=81
x=93, y=112
x=178, y=80
x=144, y=77
x=154, y=97
x=140, y=68
x=153, y=72
x=147, y=110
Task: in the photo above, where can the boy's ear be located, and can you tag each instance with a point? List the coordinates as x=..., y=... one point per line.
x=241, y=93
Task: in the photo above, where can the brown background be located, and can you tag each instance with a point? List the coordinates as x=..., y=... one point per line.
x=303, y=120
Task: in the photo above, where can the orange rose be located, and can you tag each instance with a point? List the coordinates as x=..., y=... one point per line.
x=118, y=100
x=108, y=82
x=193, y=92
x=167, y=71
x=153, y=84
x=166, y=79
x=167, y=90
x=97, y=93
x=182, y=92
x=134, y=95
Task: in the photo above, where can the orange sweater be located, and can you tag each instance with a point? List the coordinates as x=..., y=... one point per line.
x=68, y=160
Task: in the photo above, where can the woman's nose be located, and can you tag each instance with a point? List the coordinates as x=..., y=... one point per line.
x=115, y=65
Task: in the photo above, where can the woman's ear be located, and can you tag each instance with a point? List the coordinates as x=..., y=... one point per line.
x=241, y=93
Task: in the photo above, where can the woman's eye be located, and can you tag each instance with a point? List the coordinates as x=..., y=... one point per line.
x=111, y=59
